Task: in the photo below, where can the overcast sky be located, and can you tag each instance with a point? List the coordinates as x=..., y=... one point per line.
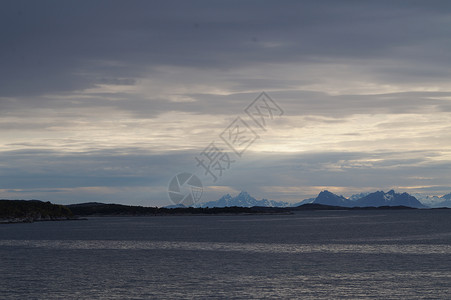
x=108, y=100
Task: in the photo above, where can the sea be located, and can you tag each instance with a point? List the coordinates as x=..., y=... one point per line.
x=380, y=254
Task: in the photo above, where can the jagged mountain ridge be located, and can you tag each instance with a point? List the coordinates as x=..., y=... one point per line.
x=243, y=199
x=435, y=201
x=358, y=196
x=375, y=199
x=445, y=201
x=390, y=198
x=379, y=198
x=328, y=198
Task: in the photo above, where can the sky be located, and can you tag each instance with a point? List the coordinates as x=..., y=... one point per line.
x=109, y=100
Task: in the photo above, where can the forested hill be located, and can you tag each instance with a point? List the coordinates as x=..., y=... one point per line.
x=13, y=211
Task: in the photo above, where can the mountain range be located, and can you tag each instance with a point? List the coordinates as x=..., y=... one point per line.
x=379, y=198
x=375, y=199
x=243, y=199
x=435, y=201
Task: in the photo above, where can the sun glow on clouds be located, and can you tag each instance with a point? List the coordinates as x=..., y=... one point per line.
x=382, y=132
x=405, y=137
x=305, y=129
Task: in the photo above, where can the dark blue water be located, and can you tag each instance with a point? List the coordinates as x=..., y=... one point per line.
x=309, y=255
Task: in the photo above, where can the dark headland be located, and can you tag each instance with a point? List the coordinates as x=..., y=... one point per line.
x=18, y=211
x=27, y=211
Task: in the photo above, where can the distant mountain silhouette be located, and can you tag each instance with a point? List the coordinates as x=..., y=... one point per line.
x=444, y=201
x=328, y=198
x=243, y=199
x=390, y=198
x=305, y=201
x=375, y=199
x=358, y=196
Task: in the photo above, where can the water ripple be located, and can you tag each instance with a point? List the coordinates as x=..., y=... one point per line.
x=231, y=247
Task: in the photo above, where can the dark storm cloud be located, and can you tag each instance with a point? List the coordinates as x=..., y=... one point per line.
x=318, y=103
x=51, y=46
x=295, y=103
x=52, y=169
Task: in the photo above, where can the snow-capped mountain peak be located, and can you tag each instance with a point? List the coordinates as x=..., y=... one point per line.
x=379, y=198
x=389, y=196
x=243, y=199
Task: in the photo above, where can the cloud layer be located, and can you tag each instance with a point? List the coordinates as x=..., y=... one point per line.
x=107, y=100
